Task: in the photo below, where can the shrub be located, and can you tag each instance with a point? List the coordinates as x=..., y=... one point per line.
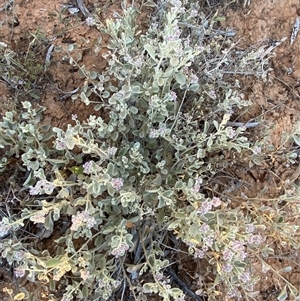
x=122, y=190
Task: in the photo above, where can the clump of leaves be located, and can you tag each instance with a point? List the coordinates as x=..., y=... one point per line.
x=137, y=181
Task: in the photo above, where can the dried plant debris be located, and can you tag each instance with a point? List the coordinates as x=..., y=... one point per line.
x=295, y=30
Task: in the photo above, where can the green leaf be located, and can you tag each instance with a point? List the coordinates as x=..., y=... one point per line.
x=194, y=87
x=216, y=124
x=53, y=262
x=96, y=188
x=31, y=276
x=64, y=193
x=110, y=190
x=179, y=185
x=158, y=180
x=155, y=88
x=201, y=153
x=286, y=269
x=48, y=136
x=52, y=285
x=99, y=241
x=135, y=89
x=174, y=61
x=161, y=202
x=283, y=294
x=85, y=291
x=206, y=127
x=220, y=216
x=110, y=168
x=57, y=161
x=180, y=78
x=70, y=142
x=240, y=264
x=296, y=139
x=79, y=294
x=123, y=114
x=150, y=51
x=238, y=149
x=210, y=141
x=169, y=73
x=279, y=219
x=168, y=193
x=293, y=155
x=210, y=216
x=161, y=81
x=93, y=75
x=71, y=47
x=133, y=110
x=114, y=136
x=48, y=222
x=105, y=94
x=135, y=132
x=19, y=296
x=149, y=288
x=77, y=170
x=30, y=180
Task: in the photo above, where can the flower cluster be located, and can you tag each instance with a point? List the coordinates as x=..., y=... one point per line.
x=200, y=253
x=87, y=166
x=250, y=228
x=230, y=132
x=19, y=255
x=74, y=117
x=193, y=78
x=39, y=217
x=41, y=186
x=19, y=271
x=160, y=132
x=208, y=238
x=84, y=274
x=253, y=239
x=117, y=183
x=174, y=36
x=227, y=267
x=227, y=254
x=4, y=229
x=57, y=275
x=89, y=21
x=82, y=262
x=111, y=151
x=135, y=61
x=173, y=96
x=207, y=205
x=120, y=250
x=197, y=185
x=245, y=277
x=239, y=249
x=212, y=94
x=60, y=144
x=234, y=293
x=177, y=5
x=82, y=218
x=256, y=150
x=107, y=285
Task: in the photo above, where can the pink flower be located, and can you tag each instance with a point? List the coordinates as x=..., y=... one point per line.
x=216, y=202
x=87, y=166
x=117, y=183
x=173, y=96
x=19, y=272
